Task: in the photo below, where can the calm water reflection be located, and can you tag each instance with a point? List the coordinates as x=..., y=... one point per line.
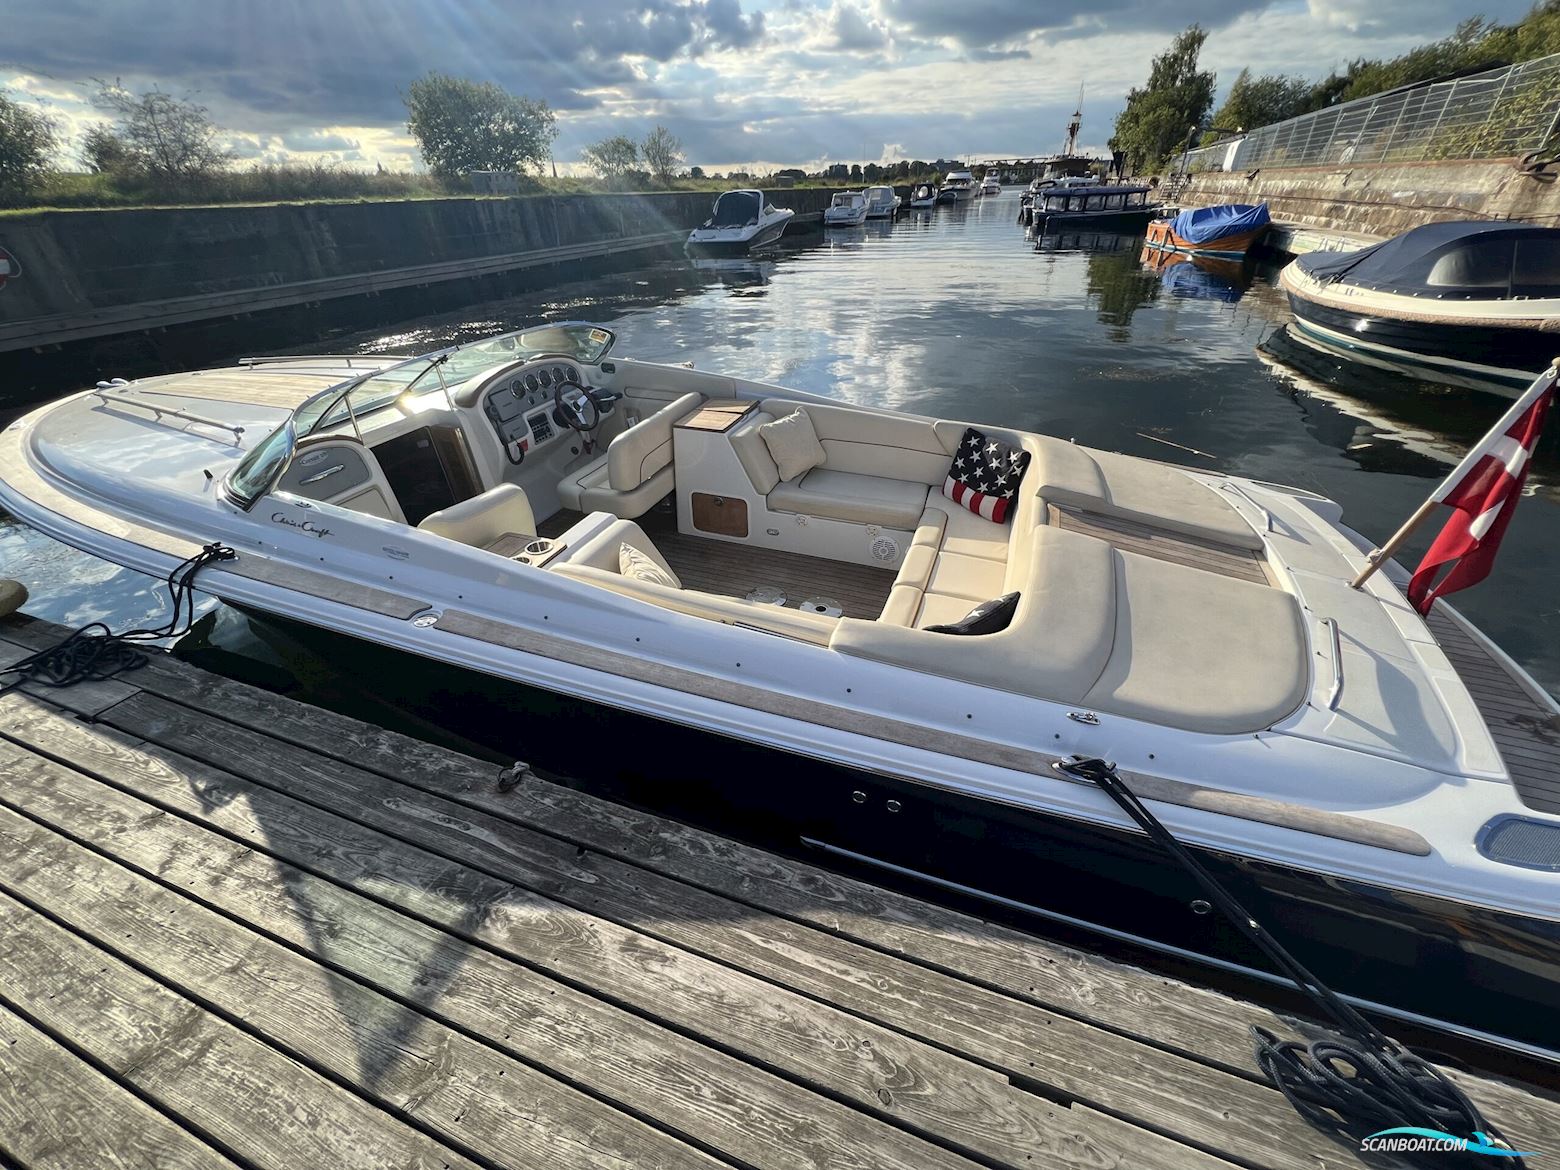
x=956, y=313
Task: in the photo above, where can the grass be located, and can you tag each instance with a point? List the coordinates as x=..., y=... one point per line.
x=272, y=185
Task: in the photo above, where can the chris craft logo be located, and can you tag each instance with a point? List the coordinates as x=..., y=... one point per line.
x=308, y=526
x=10, y=267
x=1413, y=1140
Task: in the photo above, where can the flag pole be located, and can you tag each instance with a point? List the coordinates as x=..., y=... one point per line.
x=1380, y=556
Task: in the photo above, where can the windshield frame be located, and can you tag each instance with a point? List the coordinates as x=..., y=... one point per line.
x=340, y=403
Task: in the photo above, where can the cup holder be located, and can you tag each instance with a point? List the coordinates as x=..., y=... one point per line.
x=539, y=547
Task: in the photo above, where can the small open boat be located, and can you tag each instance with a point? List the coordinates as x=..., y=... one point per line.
x=1473, y=304
x=877, y=633
x=740, y=222
x=924, y=195
x=1226, y=230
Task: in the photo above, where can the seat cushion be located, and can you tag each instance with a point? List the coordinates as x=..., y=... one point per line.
x=753, y=452
x=482, y=520
x=637, y=454
x=1137, y=489
x=793, y=445
x=973, y=578
x=634, y=563
x=1171, y=660
x=859, y=499
x=967, y=534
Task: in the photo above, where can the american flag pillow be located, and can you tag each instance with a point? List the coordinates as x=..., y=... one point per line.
x=985, y=476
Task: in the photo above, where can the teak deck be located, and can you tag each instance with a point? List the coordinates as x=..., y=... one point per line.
x=241, y=931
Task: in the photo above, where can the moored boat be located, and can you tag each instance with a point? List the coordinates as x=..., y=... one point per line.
x=991, y=184
x=958, y=187
x=1474, y=304
x=1116, y=208
x=846, y=209
x=882, y=202
x=1226, y=230
x=740, y=221
x=900, y=627
x=924, y=195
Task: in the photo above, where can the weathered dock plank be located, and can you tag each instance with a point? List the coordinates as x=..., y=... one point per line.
x=57, y=1112
x=502, y=1110
x=541, y=977
x=873, y=1066
x=237, y=1092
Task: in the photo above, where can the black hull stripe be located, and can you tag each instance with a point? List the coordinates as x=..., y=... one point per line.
x=1502, y=347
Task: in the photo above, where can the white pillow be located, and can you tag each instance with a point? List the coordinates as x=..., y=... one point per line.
x=793, y=444
x=633, y=563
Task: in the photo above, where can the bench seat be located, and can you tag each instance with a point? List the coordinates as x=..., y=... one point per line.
x=858, y=499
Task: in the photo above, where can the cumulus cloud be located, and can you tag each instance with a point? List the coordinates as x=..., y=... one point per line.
x=850, y=30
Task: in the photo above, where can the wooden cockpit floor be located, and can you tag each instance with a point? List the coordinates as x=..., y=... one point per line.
x=735, y=570
x=1526, y=731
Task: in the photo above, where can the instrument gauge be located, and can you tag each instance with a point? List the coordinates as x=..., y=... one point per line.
x=545, y=376
x=531, y=383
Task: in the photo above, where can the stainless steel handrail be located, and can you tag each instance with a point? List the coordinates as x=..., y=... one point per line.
x=1267, y=516
x=1336, y=694
x=126, y=399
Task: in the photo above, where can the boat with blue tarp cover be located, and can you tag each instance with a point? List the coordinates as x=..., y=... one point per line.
x=1473, y=304
x=1229, y=229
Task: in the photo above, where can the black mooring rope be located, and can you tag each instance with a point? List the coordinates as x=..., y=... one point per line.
x=1353, y=1087
x=95, y=652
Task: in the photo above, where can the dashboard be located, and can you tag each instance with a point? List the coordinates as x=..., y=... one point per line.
x=520, y=404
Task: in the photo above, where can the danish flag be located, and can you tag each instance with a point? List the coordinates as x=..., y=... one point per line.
x=1482, y=493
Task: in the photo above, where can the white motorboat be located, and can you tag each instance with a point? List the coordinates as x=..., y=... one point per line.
x=959, y=187
x=924, y=195
x=882, y=203
x=846, y=209
x=740, y=222
x=877, y=632
x=991, y=185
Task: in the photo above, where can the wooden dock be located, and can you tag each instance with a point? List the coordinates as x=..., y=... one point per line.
x=239, y=931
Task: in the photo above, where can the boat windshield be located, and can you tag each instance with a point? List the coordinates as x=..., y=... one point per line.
x=349, y=401
x=736, y=209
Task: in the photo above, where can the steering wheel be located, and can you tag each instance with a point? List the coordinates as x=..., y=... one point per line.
x=583, y=416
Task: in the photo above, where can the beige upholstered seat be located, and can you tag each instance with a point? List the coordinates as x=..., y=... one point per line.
x=482, y=520
x=635, y=473
x=1136, y=489
x=844, y=495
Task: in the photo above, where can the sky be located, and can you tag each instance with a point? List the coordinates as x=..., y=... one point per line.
x=744, y=84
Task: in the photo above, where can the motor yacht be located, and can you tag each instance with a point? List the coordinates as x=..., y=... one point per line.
x=846, y=209
x=958, y=187
x=878, y=634
x=882, y=202
x=991, y=185
x=740, y=222
x=1116, y=208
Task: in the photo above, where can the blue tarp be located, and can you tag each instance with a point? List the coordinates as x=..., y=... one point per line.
x=1202, y=224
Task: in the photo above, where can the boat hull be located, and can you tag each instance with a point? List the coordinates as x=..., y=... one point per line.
x=1501, y=359
x=766, y=235
x=1236, y=244
x=1028, y=866
x=1125, y=220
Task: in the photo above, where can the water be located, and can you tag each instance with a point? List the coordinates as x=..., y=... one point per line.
x=954, y=313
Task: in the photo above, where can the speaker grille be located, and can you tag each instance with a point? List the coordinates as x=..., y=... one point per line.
x=1520, y=841
x=885, y=548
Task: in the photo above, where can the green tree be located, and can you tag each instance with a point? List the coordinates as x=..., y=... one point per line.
x=696, y=172
x=1160, y=117
x=612, y=158
x=103, y=151
x=28, y=140
x=662, y=153
x=1260, y=101
x=463, y=125
x=161, y=136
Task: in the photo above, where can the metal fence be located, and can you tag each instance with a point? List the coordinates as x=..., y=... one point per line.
x=1508, y=111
